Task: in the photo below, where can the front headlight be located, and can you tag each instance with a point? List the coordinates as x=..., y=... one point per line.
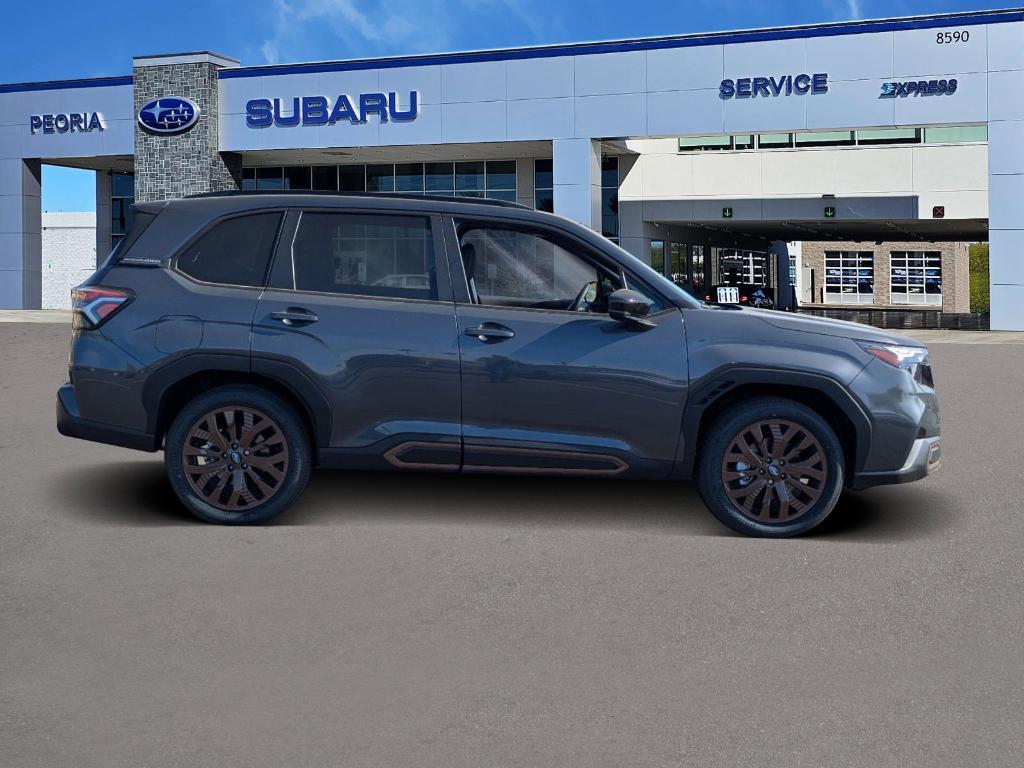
x=896, y=355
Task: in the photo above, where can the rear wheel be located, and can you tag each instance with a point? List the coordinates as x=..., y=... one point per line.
x=238, y=455
x=770, y=467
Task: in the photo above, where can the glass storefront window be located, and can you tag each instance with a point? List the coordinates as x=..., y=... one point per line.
x=501, y=176
x=744, y=141
x=380, y=178
x=325, y=178
x=704, y=143
x=849, y=277
x=916, y=277
x=954, y=134
x=352, y=178
x=469, y=179
x=774, y=140
x=409, y=177
x=543, y=174
x=543, y=182
x=122, y=196
x=657, y=251
x=297, y=177
x=122, y=185
x=825, y=139
x=889, y=136
x=269, y=178
x=248, y=178
x=440, y=178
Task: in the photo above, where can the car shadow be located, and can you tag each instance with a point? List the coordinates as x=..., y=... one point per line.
x=137, y=494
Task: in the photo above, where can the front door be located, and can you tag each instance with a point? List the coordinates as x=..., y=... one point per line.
x=357, y=306
x=550, y=383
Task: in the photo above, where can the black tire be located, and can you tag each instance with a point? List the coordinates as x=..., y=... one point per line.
x=282, y=446
x=722, y=481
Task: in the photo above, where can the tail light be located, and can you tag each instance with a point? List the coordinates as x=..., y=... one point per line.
x=743, y=298
x=93, y=305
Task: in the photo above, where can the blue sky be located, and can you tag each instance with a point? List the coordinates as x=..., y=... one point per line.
x=90, y=38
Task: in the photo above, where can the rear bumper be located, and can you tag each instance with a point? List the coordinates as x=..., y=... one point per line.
x=70, y=424
x=925, y=458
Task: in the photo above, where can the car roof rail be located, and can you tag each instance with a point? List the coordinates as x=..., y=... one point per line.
x=365, y=195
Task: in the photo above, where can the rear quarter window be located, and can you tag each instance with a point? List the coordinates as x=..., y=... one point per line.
x=234, y=251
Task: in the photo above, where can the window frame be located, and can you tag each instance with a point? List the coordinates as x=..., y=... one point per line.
x=460, y=284
x=289, y=230
x=925, y=257
x=209, y=226
x=845, y=260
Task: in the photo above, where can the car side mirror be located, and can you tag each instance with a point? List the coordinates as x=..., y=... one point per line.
x=629, y=307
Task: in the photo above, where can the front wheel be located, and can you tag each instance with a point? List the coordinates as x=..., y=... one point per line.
x=237, y=455
x=770, y=467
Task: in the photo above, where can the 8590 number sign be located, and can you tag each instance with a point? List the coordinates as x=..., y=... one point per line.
x=959, y=36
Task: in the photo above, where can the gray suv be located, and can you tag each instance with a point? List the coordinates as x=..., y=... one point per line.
x=255, y=336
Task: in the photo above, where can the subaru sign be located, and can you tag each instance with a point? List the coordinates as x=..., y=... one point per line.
x=783, y=85
x=320, y=110
x=169, y=114
x=918, y=88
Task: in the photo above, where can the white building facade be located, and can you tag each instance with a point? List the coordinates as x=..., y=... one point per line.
x=899, y=130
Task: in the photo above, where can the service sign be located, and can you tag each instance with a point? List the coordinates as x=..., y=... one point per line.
x=773, y=86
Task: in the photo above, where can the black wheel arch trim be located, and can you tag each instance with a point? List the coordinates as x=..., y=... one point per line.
x=710, y=389
x=282, y=373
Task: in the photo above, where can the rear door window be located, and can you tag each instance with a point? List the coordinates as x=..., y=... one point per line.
x=363, y=254
x=235, y=251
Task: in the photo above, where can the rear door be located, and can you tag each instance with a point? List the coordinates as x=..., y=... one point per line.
x=550, y=382
x=357, y=309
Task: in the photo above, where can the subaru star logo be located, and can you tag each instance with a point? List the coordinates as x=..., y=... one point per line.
x=170, y=114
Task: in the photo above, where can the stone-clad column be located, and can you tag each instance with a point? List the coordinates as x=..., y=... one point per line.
x=189, y=162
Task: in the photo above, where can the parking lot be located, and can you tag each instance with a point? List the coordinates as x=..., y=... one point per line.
x=446, y=621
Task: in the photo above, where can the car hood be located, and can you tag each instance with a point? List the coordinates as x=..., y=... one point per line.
x=791, y=321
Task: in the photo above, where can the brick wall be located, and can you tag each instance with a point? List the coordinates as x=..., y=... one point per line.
x=168, y=166
x=955, y=279
x=69, y=255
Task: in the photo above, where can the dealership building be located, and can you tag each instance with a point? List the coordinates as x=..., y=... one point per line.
x=841, y=165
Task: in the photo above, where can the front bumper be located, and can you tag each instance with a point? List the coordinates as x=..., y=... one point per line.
x=925, y=458
x=71, y=424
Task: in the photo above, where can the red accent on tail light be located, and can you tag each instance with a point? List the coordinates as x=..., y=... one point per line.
x=93, y=305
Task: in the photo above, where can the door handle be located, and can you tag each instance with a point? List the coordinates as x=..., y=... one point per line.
x=490, y=332
x=295, y=316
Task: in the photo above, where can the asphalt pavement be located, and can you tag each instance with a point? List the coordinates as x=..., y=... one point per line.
x=415, y=620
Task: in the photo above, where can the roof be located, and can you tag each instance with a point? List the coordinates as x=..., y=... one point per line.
x=965, y=18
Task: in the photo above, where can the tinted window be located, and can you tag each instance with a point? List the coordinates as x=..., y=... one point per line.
x=508, y=267
x=235, y=252
x=364, y=254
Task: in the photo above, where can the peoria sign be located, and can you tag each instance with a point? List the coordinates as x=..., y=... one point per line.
x=70, y=122
x=320, y=110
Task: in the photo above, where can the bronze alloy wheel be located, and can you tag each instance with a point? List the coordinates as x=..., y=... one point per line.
x=774, y=471
x=235, y=458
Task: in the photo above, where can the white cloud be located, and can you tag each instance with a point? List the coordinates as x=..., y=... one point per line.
x=853, y=9
x=337, y=29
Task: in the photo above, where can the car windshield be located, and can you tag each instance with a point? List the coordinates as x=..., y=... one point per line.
x=655, y=277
